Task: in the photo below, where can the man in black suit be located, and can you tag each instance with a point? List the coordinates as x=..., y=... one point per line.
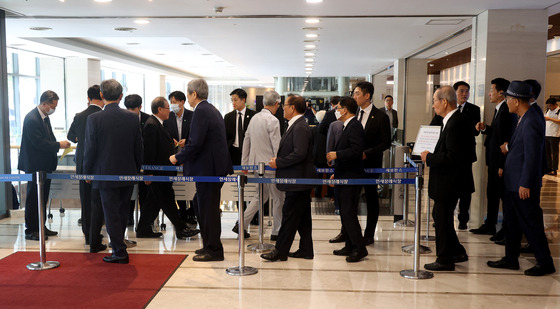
x=523, y=171
x=92, y=210
x=378, y=139
x=294, y=160
x=448, y=167
x=236, y=123
x=178, y=125
x=348, y=155
x=133, y=103
x=38, y=152
x=330, y=117
x=203, y=156
x=113, y=146
x=158, y=147
x=392, y=114
x=499, y=132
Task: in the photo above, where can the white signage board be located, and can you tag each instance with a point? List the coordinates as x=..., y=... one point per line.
x=427, y=139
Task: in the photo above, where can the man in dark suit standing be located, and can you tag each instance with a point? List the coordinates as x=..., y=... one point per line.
x=178, y=125
x=523, y=171
x=448, y=166
x=329, y=117
x=294, y=160
x=236, y=123
x=76, y=134
x=497, y=133
x=38, y=153
x=348, y=155
x=392, y=114
x=158, y=147
x=203, y=156
x=378, y=139
x=133, y=103
x=113, y=146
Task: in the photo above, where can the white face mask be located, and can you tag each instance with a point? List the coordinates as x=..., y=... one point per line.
x=50, y=111
x=337, y=114
x=175, y=108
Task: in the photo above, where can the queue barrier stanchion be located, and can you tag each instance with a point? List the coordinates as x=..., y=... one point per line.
x=241, y=270
x=415, y=273
x=428, y=237
x=412, y=248
x=261, y=246
x=43, y=264
x=405, y=222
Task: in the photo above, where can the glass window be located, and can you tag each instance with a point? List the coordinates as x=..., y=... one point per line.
x=10, y=64
x=27, y=64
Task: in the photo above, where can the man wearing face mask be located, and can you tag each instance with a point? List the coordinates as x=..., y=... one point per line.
x=38, y=152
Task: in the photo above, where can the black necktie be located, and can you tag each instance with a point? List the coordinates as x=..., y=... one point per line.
x=361, y=116
x=49, y=128
x=240, y=130
x=495, y=112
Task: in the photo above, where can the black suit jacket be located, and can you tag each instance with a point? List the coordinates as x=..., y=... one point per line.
x=329, y=118
x=395, y=123
x=230, y=120
x=378, y=137
x=171, y=125
x=349, y=151
x=143, y=118
x=77, y=133
x=38, y=145
x=449, y=163
x=158, y=146
x=497, y=133
x=295, y=156
x=113, y=145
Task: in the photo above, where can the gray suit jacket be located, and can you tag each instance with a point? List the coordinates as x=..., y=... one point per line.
x=262, y=139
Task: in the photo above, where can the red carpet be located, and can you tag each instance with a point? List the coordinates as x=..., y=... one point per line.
x=83, y=280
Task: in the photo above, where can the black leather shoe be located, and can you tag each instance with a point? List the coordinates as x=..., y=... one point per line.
x=462, y=226
x=148, y=235
x=356, y=256
x=98, y=248
x=500, y=235
x=345, y=251
x=460, y=258
x=235, y=229
x=34, y=236
x=300, y=255
x=437, y=266
x=503, y=263
x=501, y=242
x=338, y=238
x=484, y=230
x=273, y=237
x=273, y=256
x=539, y=270
x=186, y=233
x=368, y=241
x=200, y=251
x=116, y=259
x=50, y=233
x=205, y=257
x=526, y=249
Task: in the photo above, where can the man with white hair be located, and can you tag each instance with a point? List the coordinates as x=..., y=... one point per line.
x=261, y=142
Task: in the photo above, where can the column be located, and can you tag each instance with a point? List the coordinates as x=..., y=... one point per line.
x=81, y=73
x=412, y=89
x=5, y=188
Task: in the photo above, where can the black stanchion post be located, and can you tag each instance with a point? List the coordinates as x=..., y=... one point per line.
x=415, y=273
x=405, y=222
x=241, y=270
x=427, y=237
x=43, y=263
x=419, y=182
x=261, y=246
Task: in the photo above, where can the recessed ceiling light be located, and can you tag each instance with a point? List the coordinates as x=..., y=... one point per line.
x=125, y=29
x=312, y=21
x=310, y=46
x=142, y=21
x=309, y=60
x=40, y=28
x=311, y=28
x=309, y=65
x=310, y=54
x=313, y=1
x=311, y=35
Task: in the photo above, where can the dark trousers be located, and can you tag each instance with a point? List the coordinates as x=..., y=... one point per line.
x=235, y=154
x=85, y=199
x=116, y=205
x=31, y=203
x=494, y=192
x=465, y=200
x=552, y=152
x=142, y=192
x=349, y=197
x=296, y=217
x=160, y=195
x=447, y=243
x=372, y=200
x=525, y=217
x=208, y=198
x=96, y=218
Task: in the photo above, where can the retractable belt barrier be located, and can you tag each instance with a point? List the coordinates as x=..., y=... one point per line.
x=173, y=168
x=15, y=177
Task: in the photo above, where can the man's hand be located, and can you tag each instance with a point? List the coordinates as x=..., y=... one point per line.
x=504, y=148
x=331, y=156
x=173, y=160
x=364, y=156
x=272, y=163
x=182, y=143
x=424, y=155
x=480, y=126
x=524, y=193
x=88, y=182
x=64, y=144
x=500, y=172
x=245, y=172
x=331, y=185
x=148, y=182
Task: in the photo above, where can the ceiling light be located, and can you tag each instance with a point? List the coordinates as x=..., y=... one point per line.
x=311, y=35
x=309, y=60
x=313, y=1
x=40, y=28
x=309, y=65
x=310, y=54
x=310, y=46
x=312, y=21
x=142, y=21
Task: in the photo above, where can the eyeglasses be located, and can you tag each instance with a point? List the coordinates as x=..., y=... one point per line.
x=340, y=107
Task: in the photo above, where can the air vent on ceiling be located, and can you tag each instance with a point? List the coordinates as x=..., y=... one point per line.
x=444, y=22
x=40, y=28
x=125, y=29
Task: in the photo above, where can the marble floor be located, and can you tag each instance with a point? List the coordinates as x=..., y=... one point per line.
x=328, y=281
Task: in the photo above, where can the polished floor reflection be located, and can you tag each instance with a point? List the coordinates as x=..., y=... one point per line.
x=328, y=281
